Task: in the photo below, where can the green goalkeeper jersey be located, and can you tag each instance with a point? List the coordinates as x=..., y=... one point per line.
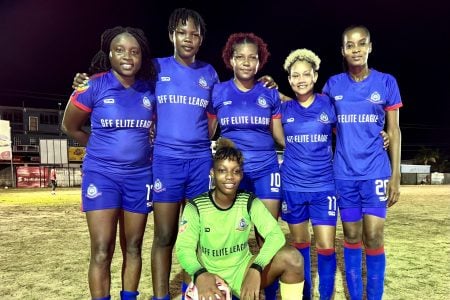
x=217, y=239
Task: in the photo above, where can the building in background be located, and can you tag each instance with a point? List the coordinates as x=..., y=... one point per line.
x=37, y=144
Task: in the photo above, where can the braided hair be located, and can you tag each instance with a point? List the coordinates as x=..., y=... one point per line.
x=100, y=62
x=182, y=15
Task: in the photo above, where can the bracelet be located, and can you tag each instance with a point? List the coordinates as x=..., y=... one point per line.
x=256, y=267
x=196, y=274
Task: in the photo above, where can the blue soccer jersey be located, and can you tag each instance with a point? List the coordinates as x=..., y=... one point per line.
x=307, y=161
x=360, y=109
x=183, y=97
x=244, y=118
x=120, y=124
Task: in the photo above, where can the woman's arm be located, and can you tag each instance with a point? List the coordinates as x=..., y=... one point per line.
x=393, y=130
x=73, y=122
x=277, y=132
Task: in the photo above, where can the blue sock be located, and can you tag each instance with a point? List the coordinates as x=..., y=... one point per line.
x=166, y=297
x=128, y=295
x=103, y=298
x=184, y=287
x=376, y=266
x=326, y=265
x=270, y=291
x=304, y=249
x=353, y=269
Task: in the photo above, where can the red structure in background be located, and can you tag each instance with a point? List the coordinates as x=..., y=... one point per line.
x=32, y=177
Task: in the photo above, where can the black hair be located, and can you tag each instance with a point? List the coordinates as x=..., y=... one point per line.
x=350, y=28
x=182, y=15
x=100, y=62
x=227, y=150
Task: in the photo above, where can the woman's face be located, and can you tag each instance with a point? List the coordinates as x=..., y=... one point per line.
x=186, y=41
x=302, y=78
x=227, y=176
x=356, y=47
x=125, y=55
x=245, y=61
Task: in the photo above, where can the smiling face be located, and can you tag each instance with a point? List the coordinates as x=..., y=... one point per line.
x=302, y=78
x=356, y=47
x=227, y=176
x=125, y=56
x=245, y=61
x=186, y=39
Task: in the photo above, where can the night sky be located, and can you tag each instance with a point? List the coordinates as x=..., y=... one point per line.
x=44, y=43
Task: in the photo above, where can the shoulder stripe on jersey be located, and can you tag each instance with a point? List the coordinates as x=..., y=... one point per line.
x=251, y=197
x=211, y=116
x=393, y=107
x=81, y=106
x=277, y=116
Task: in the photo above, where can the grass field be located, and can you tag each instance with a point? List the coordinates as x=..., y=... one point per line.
x=44, y=247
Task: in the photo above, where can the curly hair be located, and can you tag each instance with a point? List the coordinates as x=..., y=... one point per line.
x=101, y=63
x=227, y=150
x=245, y=38
x=182, y=15
x=301, y=55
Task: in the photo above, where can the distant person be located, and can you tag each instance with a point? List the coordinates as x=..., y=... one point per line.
x=53, y=180
x=367, y=177
x=212, y=244
x=117, y=168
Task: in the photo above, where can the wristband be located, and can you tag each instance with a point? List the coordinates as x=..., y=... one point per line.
x=196, y=274
x=256, y=267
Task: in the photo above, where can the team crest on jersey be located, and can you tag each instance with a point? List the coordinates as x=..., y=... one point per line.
x=338, y=97
x=158, y=186
x=227, y=102
x=242, y=225
x=92, y=192
x=290, y=120
x=146, y=102
x=108, y=101
x=165, y=78
x=375, y=98
x=323, y=118
x=183, y=226
x=262, y=102
x=203, y=83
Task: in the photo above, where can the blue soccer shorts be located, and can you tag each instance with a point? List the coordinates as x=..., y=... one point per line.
x=320, y=207
x=131, y=192
x=265, y=186
x=359, y=197
x=176, y=179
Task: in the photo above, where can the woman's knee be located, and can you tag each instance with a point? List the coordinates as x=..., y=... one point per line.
x=290, y=258
x=373, y=239
x=165, y=237
x=102, y=254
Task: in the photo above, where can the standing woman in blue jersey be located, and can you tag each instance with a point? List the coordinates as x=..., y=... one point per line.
x=367, y=178
x=248, y=113
x=307, y=177
x=117, y=168
x=182, y=154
